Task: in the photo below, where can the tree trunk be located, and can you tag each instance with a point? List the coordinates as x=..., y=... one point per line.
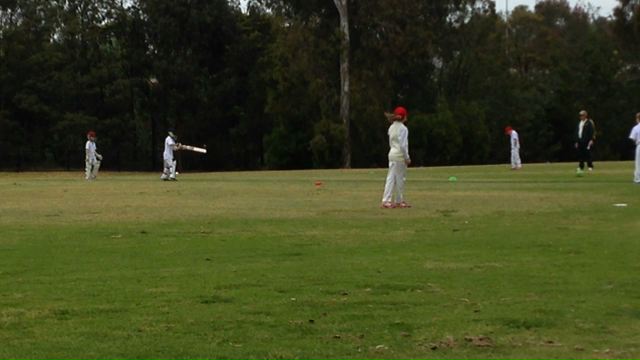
x=344, y=78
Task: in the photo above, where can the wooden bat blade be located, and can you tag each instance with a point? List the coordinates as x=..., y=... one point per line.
x=194, y=148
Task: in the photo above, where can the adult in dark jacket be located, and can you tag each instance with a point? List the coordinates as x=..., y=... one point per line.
x=585, y=137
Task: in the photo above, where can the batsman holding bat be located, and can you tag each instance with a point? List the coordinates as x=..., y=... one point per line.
x=170, y=163
x=170, y=145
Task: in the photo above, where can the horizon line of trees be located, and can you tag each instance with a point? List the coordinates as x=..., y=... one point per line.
x=261, y=86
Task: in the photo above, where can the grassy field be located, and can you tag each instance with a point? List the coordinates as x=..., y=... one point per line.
x=536, y=263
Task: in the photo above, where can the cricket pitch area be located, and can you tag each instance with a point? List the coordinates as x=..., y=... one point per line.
x=536, y=263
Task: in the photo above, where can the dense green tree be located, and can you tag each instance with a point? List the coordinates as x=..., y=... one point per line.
x=261, y=86
x=626, y=28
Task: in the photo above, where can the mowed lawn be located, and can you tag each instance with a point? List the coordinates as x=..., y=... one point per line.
x=536, y=263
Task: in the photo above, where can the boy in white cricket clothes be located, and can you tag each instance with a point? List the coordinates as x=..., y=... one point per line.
x=398, y=160
x=91, y=157
x=516, y=163
x=635, y=137
x=170, y=145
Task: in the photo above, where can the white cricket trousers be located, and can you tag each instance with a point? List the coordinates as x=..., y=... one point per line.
x=169, y=171
x=395, y=182
x=91, y=169
x=636, y=175
x=515, y=158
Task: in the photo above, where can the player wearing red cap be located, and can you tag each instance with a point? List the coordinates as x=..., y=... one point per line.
x=516, y=163
x=398, y=159
x=91, y=157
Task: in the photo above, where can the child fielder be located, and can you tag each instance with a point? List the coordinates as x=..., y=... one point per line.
x=516, y=163
x=398, y=160
x=170, y=163
x=91, y=157
x=635, y=137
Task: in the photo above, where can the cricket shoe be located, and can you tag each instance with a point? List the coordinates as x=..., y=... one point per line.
x=387, y=205
x=403, y=205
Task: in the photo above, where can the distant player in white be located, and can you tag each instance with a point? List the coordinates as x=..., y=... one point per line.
x=91, y=157
x=635, y=137
x=170, y=145
x=398, y=160
x=516, y=163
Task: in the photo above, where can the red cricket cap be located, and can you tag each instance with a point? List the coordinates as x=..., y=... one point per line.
x=508, y=129
x=401, y=112
x=91, y=133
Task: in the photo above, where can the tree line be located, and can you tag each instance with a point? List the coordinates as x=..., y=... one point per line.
x=260, y=83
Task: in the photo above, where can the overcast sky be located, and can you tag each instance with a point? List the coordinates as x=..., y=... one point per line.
x=606, y=6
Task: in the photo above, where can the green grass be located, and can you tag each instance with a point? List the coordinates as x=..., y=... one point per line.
x=536, y=263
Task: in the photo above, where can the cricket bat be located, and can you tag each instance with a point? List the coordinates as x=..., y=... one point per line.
x=193, y=148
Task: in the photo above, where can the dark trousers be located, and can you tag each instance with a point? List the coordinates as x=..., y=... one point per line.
x=584, y=155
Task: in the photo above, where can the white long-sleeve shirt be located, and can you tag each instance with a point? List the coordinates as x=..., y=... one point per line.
x=635, y=134
x=515, y=140
x=169, y=144
x=90, y=151
x=398, y=142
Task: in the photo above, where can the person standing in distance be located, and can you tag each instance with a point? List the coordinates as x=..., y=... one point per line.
x=92, y=159
x=635, y=137
x=516, y=163
x=585, y=137
x=170, y=163
x=398, y=160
